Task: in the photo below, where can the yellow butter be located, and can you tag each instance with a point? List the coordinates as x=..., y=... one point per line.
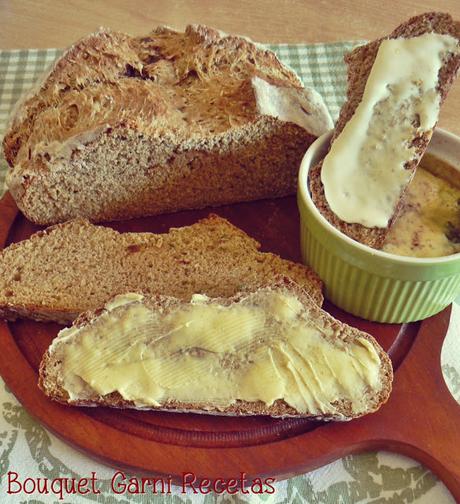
x=263, y=348
x=421, y=229
x=364, y=172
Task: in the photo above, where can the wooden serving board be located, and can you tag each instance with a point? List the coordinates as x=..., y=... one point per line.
x=421, y=419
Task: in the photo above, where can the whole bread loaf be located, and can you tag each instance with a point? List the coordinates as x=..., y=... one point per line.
x=291, y=359
x=131, y=126
x=73, y=267
x=360, y=62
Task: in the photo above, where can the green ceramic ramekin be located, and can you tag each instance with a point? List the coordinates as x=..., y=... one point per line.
x=370, y=283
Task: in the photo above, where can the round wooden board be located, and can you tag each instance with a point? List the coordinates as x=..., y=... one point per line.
x=421, y=419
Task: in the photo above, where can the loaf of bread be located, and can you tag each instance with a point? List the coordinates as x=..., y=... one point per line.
x=73, y=267
x=132, y=126
x=269, y=352
x=360, y=62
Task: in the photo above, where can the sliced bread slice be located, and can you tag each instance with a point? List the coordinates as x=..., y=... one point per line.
x=360, y=63
x=69, y=268
x=269, y=352
x=130, y=126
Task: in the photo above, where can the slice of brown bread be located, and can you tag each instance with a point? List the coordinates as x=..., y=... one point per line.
x=130, y=126
x=69, y=268
x=271, y=354
x=360, y=62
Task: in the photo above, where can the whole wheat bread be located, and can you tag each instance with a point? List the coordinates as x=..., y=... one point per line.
x=52, y=381
x=359, y=63
x=130, y=126
x=69, y=268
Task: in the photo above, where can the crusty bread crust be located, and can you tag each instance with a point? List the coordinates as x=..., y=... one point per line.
x=359, y=63
x=51, y=384
x=76, y=266
x=131, y=126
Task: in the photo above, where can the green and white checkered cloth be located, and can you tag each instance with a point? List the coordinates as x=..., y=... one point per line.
x=28, y=449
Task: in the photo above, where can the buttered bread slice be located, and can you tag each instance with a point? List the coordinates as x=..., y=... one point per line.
x=269, y=352
x=70, y=268
x=395, y=88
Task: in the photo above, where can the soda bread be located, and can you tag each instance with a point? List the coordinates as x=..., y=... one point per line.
x=360, y=62
x=269, y=352
x=132, y=126
x=73, y=267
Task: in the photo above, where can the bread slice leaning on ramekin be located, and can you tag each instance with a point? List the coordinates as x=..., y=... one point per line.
x=360, y=62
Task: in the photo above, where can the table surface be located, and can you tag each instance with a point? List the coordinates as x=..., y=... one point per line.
x=53, y=23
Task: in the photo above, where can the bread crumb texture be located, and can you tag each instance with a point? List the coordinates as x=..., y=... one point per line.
x=77, y=266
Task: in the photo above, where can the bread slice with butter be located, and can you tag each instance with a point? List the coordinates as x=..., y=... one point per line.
x=395, y=88
x=73, y=267
x=131, y=126
x=269, y=352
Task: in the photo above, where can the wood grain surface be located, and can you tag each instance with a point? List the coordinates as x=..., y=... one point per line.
x=420, y=419
x=57, y=23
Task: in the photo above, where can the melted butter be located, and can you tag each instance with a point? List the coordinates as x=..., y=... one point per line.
x=262, y=348
x=364, y=172
x=421, y=229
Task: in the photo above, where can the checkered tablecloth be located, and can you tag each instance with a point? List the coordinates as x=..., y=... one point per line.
x=29, y=449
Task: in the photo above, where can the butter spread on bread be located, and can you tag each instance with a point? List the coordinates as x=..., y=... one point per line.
x=271, y=349
x=132, y=126
x=364, y=172
x=395, y=121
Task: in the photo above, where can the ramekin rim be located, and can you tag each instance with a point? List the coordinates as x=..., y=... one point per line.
x=303, y=189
